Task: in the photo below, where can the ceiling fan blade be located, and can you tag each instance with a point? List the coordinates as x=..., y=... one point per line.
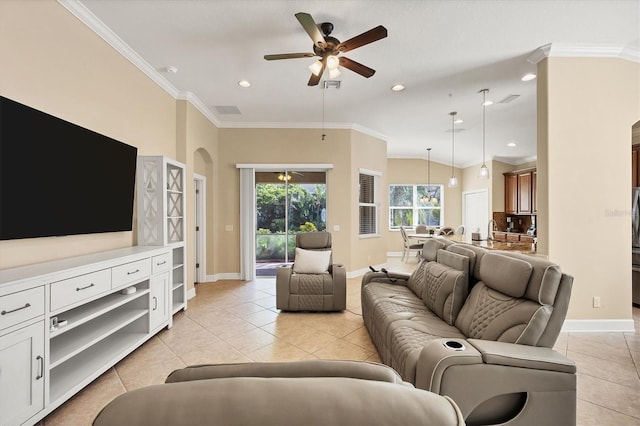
x=356, y=67
x=289, y=56
x=367, y=37
x=315, y=79
x=312, y=29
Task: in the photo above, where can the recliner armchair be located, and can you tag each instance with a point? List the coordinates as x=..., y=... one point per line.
x=313, y=282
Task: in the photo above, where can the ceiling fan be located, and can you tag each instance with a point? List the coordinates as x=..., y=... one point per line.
x=328, y=48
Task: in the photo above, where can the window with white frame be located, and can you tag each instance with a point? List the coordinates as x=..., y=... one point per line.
x=412, y=205
x=368, y=203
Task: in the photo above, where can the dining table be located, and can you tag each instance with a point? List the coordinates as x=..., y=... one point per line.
x=420, y=236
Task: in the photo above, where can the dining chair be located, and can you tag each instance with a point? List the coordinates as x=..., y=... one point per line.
x=408, y=245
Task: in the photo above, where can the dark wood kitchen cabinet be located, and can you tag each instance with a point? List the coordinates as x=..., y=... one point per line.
x=635, y=165
x=519, y=191
x=510, y=193
x=534, y=187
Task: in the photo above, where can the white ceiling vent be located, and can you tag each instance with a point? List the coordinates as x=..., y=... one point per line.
x=509, y=99
x=227, y=109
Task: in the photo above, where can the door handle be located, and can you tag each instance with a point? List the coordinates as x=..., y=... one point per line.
x=155, y=303
x=41, y=361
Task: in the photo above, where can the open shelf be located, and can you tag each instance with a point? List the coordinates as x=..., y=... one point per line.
x=85, y=313
x=67, y=345
x=67, y=375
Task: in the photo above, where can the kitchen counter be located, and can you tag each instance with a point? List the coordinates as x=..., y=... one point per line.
x=525, y=248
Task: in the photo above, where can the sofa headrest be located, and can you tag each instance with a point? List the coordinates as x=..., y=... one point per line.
x=430, y=249
x=507, y=275
x=463, y=251
x=313, y=240
x=545, y=278
x=454, y=260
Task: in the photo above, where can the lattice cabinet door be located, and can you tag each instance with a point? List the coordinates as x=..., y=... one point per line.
x=161, y=201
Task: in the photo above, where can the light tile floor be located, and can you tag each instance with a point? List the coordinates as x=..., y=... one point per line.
x=235, y=321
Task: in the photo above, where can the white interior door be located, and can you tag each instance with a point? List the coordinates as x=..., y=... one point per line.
x=475, y=212
x=200, y=228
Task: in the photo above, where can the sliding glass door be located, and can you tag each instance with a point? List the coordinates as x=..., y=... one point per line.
x=287, y=202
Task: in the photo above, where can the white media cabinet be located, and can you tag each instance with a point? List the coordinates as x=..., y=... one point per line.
x=42, y=366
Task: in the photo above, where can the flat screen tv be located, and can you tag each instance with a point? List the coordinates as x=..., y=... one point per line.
x=57, y=178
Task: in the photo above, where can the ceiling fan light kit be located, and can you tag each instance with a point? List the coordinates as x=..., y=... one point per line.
x=328, y=48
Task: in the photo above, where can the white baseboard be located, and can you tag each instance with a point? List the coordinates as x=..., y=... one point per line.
x=598, y=326
x=224, y=276
x=191, y=293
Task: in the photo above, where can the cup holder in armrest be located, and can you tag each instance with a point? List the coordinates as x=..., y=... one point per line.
x=454, y=345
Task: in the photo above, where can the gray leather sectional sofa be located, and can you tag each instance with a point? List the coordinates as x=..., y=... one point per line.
x=288, y=393
x=479, y=327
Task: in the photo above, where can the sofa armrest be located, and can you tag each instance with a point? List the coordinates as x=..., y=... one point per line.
x=496, y=382
x=339, y=273
x=283, y=278
x=440, y=354
x=514, y=355
x=388, y=278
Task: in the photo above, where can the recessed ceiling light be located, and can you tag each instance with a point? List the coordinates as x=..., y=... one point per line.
x=244, y=83
x=512, y=144
x=528, y=76
x=171, y=69
x=487, y=103
x=397, y=87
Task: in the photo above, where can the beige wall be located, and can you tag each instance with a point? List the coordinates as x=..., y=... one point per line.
x=414, y=171
x=280, y=146
x=586, y=107
x=370, y=154
x=54, y=63
x=197, y=145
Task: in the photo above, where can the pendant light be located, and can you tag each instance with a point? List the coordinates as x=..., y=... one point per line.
x=428, y=197
x=484, y=170
x=453, y=180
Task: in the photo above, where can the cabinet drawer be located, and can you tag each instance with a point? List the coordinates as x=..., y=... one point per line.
x=526, y=239
x=21, y=306
x=131, y=272
x=500, y=236
x=72, y=290
x=160, y=263
x=513, y=237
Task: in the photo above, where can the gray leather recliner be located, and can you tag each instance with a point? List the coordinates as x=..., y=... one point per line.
x=312, y=291
x=312, y=392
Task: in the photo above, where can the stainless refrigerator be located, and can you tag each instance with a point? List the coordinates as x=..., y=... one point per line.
x=635, y=249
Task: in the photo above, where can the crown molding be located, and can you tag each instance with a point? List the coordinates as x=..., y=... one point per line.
x=200, y=106
x=90, y=20
x=87, y=17
x=564, y=50
x=305, y=125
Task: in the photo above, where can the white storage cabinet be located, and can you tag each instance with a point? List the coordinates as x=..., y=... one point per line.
x=161, y=194
x=105, y=306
